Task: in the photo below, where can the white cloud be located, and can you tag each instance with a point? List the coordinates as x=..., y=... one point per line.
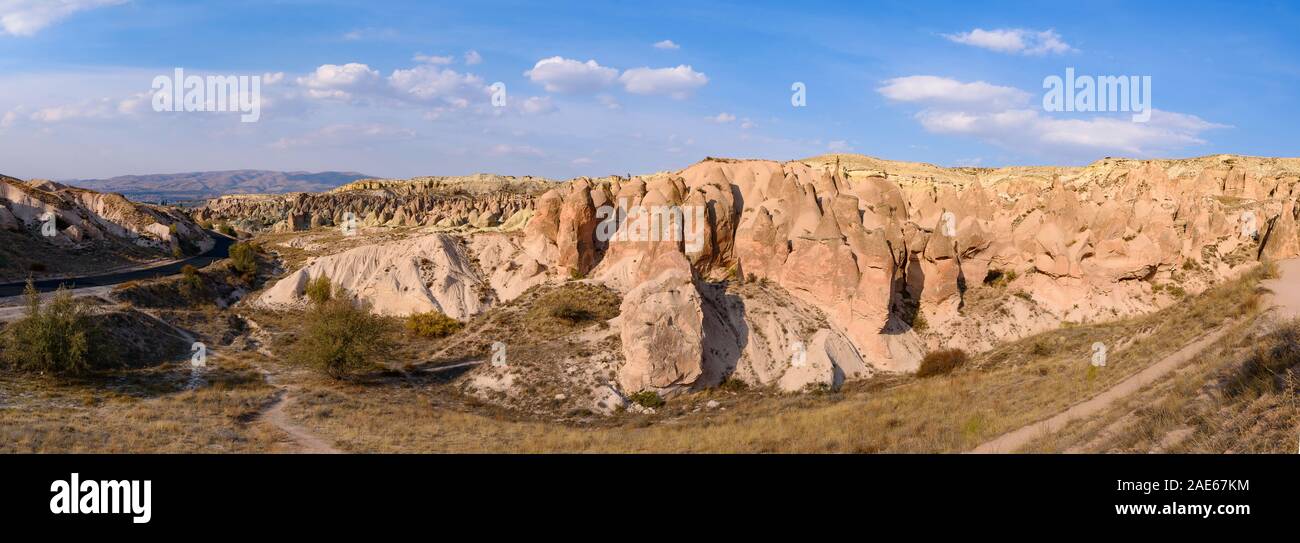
x=722, y=118
x=27, y=17
x=1013, y=41
x=838, y=146
x=422, y=84
x=746, y=124
x=430, y=83
x=559, y=74
x=677, y=82
x=371, y=34
x=667, y=45
x=1002, y=116
x=432, y=59
x=1028, y=128
x=102, y=108
x=930, y=89
x=537, y=105
x=341, y=82
x=472, y=57
x=502, y=149
x=581, y=161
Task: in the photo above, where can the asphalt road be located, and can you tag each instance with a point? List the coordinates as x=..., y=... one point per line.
x=219, y=251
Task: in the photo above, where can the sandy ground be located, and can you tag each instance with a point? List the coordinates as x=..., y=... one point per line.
x=1285, y=299
x=1285, y=289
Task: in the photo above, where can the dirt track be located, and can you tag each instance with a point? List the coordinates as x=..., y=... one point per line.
x=1285, y=298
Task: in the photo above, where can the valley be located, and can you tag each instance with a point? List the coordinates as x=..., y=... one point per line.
x=840, y=303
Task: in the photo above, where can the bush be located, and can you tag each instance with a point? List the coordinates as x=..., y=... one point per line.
x=228, y=230
x=340, y=337
x=647, y=398
x=59, y=338
x=192, y=287
x=941, y=362
x=319, y=290
x=918, y=321
x=432, y=325
x=1000, y=279
x=574, y=304
x=243, y=258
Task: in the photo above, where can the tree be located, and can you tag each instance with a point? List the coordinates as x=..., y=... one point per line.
x=58, y=338
x=192, y=286
x=341, y=337
x=243, y=258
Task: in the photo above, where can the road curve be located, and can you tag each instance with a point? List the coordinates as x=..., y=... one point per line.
x=219, y=251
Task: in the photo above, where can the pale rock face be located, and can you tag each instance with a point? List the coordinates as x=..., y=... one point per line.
x=662, y=331
x=416, y=275
x=510, y=269
x=1283, y=238
x=828, y=360
x=96, y=216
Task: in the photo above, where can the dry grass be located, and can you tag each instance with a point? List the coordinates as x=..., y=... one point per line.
x=1237, y=396
x=997, y=392
x=1013, y=385
x=136, y=411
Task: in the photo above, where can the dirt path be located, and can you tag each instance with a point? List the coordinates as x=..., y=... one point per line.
x=1285, y=290
x=1285, y=298
x=1014, y=440
x=307, y=442
x=274, y=412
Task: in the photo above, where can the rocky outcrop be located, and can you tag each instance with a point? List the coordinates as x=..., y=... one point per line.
x=80, y=216
x=811, y=273
x=879, y=246
x=480, y=201
x=416, y=275
x=662, y=332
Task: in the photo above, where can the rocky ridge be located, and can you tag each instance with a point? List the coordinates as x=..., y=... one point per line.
x=809, y=273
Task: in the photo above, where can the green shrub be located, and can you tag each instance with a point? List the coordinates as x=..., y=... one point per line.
x=320, y=290
x=432, y=325
x=57, y=338
x=192, y=286
x=941, y=362
x=571, y=305
x=647, y=398
x=243, y=258
x=340, y=337
x=1000, y=279
x=228, y=230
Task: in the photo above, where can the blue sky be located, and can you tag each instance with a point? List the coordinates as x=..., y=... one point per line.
x=594, y=88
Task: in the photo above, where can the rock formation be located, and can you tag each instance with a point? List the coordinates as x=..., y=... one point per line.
x=810, y=273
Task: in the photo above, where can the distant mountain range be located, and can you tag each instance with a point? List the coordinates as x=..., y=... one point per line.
x=177, y=187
